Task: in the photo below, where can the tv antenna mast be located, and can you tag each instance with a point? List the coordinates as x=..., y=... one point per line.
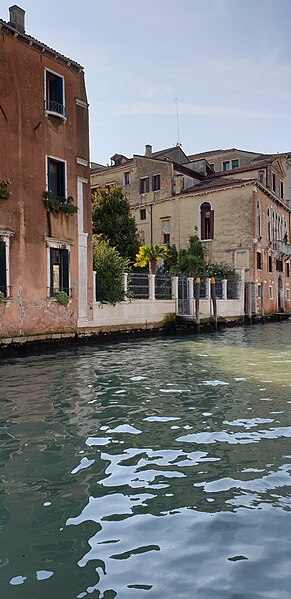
x=178, y=128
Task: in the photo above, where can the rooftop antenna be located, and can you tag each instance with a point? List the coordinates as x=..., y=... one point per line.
x=178, y=130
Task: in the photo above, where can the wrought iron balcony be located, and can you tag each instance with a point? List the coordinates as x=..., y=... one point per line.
x=283, y=247
x=55, y=107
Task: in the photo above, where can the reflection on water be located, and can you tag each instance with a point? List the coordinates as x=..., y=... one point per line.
x=157, y=468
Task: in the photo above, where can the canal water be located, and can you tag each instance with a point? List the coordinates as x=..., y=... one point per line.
x=151, y=469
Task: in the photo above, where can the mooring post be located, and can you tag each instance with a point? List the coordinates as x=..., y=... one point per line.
x=250, y=302
x=197, y=300
x=125, y=284
x=262, y=303
x=213, y=298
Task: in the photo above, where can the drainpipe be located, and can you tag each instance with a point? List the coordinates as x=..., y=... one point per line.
x=151, y=215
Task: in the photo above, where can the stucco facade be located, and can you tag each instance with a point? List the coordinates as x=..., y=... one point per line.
x=44, y=145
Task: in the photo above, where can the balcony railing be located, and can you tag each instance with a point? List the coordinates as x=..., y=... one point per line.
x=53, y=291
x=53, y=106
x=6, y=292
x=282, y=247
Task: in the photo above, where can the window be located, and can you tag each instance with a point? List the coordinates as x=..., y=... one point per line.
x=226, y=165
x=258, y=220
x=288, y=294
x=59, y=271
x=262, y=177
x=54, y=94
x=270, y=292
x=229, y=164
x=259, y=260
x=166, y=231
x=270, y=264
x=274, y=182
x=281, y=189
x=126, y=178
x=207, y=221
x=144, y=186
x=287, y=269
x=3, y=269
x=259, y=291
x=268, y=225
x=279, y=265
x=212, y=165
x=56, y=177
x=143, y=214
x=156, y=182
x=285, y=237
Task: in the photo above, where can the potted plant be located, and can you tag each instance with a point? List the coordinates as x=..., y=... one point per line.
x=55, y=203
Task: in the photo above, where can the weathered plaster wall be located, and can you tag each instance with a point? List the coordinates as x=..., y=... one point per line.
x=26, y=137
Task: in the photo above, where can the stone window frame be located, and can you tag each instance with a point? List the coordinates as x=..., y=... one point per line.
x=5, y=236
x=48, y=112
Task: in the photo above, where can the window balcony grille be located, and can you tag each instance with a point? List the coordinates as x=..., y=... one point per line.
x=53, y=291
x=55, y=107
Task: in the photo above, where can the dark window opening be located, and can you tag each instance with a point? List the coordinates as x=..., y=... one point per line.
x=287, y=269
x=270, y=264
x=166, y=229
x=126, y=178
x=279, y=265
x=281, y=190
x=144, y=186
x=56, y=178
x=207, y=221
x=273, y=182
x=226, y=165
x=59, y=271
x=156, y=182
x=54, y=101
x=235, y=163
x=259, y=260
x=143, y=214
x=3, y=274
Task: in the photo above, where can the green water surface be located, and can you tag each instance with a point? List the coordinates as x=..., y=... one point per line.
x=156, y=469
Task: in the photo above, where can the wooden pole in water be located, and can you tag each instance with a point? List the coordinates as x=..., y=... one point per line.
x=262, y=303
x=197, y=299
x=213, y=298
x=250, y=302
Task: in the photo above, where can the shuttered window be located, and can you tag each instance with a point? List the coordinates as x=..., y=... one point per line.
x=207, y=221
x=3, y=274
x=166, y=224
x=144, y=185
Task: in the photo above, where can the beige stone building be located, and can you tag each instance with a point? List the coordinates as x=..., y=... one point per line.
x=241, y=213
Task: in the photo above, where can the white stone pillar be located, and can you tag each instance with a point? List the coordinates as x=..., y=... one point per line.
x=190, y=282
x=152, y=295
x=224, y=289
x=125, y=284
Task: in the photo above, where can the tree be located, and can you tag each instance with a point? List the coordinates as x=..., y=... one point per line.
x=109, y=266
x=112, y=219
x=190, y=261
x=149, y=255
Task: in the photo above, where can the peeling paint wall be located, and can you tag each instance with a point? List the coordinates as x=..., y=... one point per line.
x=27, y=136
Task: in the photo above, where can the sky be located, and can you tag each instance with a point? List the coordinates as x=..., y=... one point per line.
x=228, y=63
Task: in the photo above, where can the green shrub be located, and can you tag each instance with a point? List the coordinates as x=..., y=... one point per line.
x=109, y=266
x=62, y=297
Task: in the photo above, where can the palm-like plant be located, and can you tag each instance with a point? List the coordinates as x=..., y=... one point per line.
x=149, y=255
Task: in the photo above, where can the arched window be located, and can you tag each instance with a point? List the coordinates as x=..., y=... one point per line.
x=274, y=226
x=268, y=225
x=258, y=220
x=206, y=221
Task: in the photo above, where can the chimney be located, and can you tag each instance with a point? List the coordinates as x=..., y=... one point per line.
x=17, y=17
x=148, y=150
